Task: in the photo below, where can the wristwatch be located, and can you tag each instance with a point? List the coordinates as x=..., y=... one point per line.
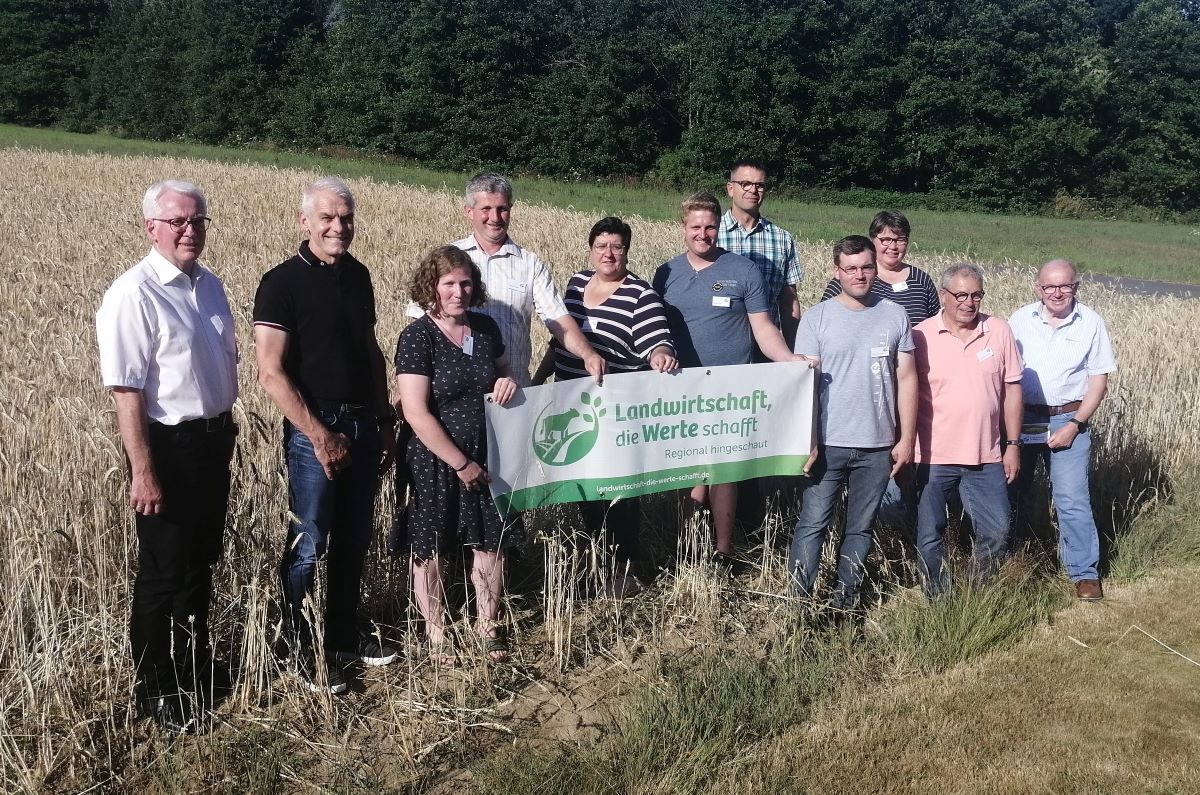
x=1014, y=443
x=1082, y=424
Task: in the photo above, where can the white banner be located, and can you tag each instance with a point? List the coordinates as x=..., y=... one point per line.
x=642, y=433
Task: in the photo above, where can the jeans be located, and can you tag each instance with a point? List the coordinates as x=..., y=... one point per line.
x=984, y=494
x=177, y=549
x=1078, y=538
x=898, y=508
x=336, y=520
x=864, y=472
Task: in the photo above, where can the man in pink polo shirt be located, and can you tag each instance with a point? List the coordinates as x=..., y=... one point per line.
x=968, y=423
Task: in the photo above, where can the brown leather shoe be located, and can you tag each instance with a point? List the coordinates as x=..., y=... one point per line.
x=1089, y=590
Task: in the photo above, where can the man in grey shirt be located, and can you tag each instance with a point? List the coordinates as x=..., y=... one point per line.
x=868, y=381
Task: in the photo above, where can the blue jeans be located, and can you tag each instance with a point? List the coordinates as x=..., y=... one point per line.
x=1078, y=538
x=336, y=519
x=864, y=472
x=984, y=494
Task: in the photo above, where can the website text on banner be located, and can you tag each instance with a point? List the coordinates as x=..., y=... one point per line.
x=642, y=433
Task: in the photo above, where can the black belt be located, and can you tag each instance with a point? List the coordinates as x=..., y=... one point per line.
x=1042, y=410
x=215, y=424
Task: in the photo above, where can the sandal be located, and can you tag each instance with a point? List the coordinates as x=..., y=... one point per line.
x=444, y=654
x=496, y=648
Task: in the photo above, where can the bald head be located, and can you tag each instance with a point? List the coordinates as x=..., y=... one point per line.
x=1055, y=268
x=1057, y=281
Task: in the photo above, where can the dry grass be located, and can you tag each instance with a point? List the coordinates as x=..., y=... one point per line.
x=66, y=541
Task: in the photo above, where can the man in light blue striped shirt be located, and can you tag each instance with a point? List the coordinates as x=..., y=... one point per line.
x=744, y=231
x=1068, y=358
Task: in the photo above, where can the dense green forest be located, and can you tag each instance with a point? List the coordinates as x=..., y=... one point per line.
x=976, y=104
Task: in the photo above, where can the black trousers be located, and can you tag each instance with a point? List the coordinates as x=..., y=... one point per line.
x=168, y=623
x=618, y=524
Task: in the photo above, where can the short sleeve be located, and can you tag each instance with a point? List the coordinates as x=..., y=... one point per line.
x=905, y=344
x=1014, y=366
x=414, y=350
x=755, y=296
x=546, y=298
x=650, y=327
x=273, y=304
x=125, y=334
x=659, y=283
x=1100, y=359
x=793, y=270
x=485, y=325
x=807, y=339
x=933, y=304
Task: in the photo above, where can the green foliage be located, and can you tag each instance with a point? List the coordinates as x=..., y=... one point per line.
x=996, y=103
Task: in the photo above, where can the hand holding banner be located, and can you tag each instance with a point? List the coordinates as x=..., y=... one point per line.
x=642, y=433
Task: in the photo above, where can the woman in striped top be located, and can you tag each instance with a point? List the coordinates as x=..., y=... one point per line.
x=624, y=320
x=896, y=280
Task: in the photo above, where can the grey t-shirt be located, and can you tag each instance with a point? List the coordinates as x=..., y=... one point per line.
x=707, y=310
x=858, y=369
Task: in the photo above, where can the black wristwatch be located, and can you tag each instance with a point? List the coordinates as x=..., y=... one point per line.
x=1014, y=443
x=1082, y=424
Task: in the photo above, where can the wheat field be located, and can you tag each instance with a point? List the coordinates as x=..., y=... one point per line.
x=71, y=224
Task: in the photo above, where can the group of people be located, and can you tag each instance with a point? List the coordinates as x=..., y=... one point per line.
x=919, y=394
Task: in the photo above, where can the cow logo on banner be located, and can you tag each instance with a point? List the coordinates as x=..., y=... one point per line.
x=565, y=437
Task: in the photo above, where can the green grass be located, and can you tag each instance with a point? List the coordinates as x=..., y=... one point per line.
x=1167, y=252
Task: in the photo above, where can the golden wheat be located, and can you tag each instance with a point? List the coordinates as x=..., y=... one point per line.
x=71, y=224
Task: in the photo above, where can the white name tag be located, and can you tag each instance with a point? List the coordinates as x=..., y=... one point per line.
x=984, y=354
x=721, y=300
x=900, y=287
x=879, y=350
x=518, y=287
x=469, y=346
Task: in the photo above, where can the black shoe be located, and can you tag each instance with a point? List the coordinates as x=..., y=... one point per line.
x=326, y=679
x=172, y=714
x=371, y=651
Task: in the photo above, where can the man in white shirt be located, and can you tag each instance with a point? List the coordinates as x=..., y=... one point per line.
x=516, y=280
x=167, y=352
x=1068, y=358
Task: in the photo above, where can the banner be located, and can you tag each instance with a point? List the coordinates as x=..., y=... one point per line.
x=642, y=433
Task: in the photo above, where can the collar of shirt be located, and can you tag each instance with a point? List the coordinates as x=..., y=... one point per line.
x=732, y=223
x=1072, y=316
x=507, y=249
x=980, y=329
x=165, y=271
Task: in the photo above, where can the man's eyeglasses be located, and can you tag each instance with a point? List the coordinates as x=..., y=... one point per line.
x=1065, y=289
x=199, y=223
x=963, y=297
x=866, y=270
x=892, y=241
x=748, y=186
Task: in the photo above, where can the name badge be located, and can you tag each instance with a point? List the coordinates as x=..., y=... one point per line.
x=469, y=346
x=984, y=354
x=721, y=300
x=879, y=350
x=900, y=287
x=518, y=287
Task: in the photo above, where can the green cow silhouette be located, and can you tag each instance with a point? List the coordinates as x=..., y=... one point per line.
x=557, y=424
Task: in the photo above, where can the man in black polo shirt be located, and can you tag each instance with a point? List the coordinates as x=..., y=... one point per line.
x=319, y=361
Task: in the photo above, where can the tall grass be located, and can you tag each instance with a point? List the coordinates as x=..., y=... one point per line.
x=67, y=541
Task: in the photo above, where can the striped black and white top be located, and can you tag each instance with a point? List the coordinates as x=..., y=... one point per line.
x=917, y=294
x=625, y=329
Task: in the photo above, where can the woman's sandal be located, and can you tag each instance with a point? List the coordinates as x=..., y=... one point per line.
x=497, y=648
x=443, y=654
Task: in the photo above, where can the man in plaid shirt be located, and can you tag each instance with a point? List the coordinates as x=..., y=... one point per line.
x=744, y=231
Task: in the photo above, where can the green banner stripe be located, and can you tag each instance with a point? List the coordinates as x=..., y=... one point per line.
x=648, y=482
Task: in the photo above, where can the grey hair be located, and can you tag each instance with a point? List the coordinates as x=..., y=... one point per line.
x=155, y=192
x=961, y=269
x=334, y=185
x=487, y=182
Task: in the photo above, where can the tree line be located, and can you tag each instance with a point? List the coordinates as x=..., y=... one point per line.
x=980, y=104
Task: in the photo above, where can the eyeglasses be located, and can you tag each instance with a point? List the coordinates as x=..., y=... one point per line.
x=892, y=241
x=854, y=271
x=748, y=186
x=1065, y=289
x=615, y=248
x=199, y=223
x=962, y=297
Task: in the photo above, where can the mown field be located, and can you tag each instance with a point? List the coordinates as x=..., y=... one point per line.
x=699, y=685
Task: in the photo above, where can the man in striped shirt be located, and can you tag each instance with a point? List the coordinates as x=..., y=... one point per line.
x=744, y=231
x=517, y=281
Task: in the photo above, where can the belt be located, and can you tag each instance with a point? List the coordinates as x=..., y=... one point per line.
x=1042, y=410
x=220, y=422
x=347, y=410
